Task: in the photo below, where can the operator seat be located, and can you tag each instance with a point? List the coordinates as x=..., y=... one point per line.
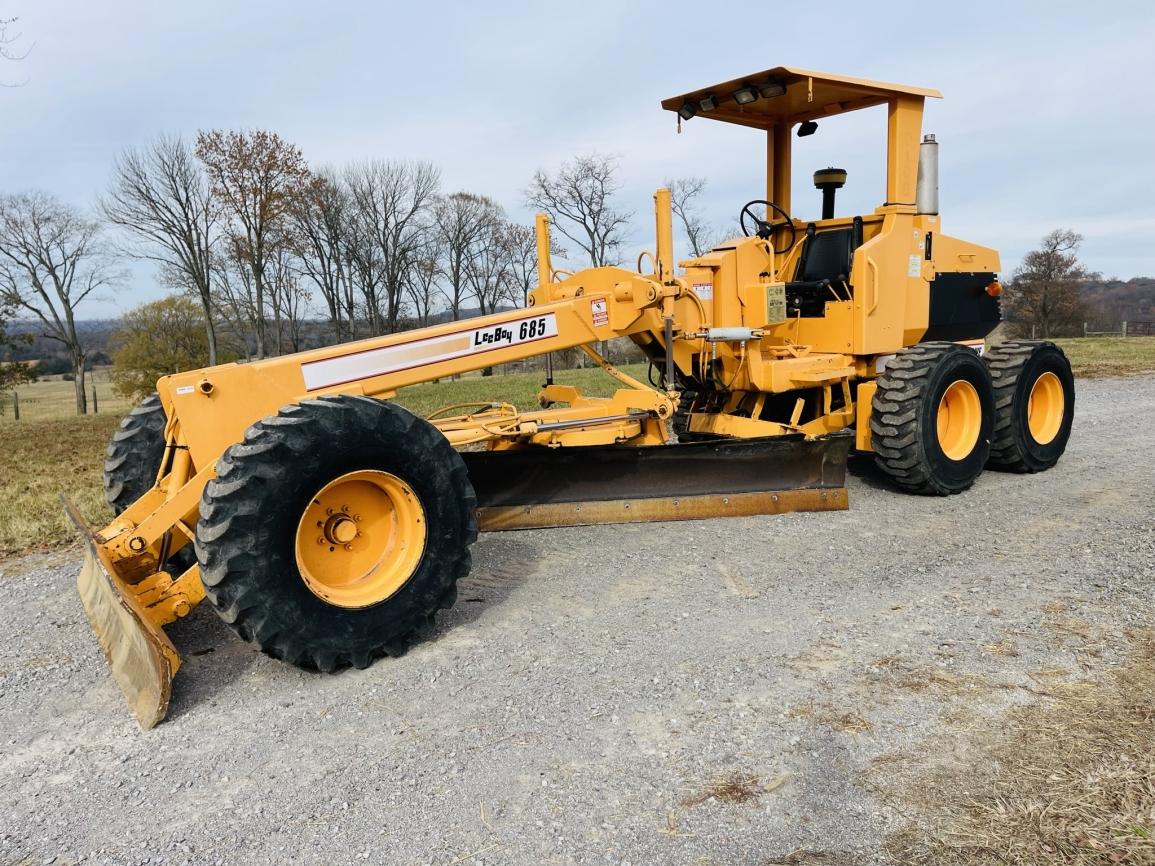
x=823, y=272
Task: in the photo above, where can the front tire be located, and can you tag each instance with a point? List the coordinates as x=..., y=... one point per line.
x=335, y=531
x=1034, y=405
x=133, y=458
x=132, y=463
x=932, y=417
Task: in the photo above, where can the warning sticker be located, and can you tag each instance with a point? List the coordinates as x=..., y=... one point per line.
x=915, y=267
x=599, y=312
x=705, y=291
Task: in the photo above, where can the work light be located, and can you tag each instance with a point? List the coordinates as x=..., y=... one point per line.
x=772, y=87
x=745, y=95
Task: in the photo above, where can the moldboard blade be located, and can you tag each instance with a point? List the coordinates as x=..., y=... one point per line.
x=141, y=657
x=537, y=487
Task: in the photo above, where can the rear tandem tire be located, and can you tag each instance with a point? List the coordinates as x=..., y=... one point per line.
x=256, y=519
x=1034, y=405
x=932, y=417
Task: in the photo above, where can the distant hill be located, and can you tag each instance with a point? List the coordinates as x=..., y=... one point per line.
x=1112, y=301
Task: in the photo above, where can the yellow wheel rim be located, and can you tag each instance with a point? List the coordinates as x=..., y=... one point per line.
x=960, y=418
x=1045, y=408
x=360, y=538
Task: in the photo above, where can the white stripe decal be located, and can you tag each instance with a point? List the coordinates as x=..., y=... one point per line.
x=423, y=352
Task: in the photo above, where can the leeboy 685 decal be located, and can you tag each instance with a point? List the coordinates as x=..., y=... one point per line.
x=426, y=351
x=519, y=332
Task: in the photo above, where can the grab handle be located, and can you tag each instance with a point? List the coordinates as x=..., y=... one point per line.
x=872, y=284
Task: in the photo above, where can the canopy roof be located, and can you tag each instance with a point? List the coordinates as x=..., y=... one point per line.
x=809, y=96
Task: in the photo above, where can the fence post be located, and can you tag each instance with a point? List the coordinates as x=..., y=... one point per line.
x=15, y=406
x=95, y=402
x=1084, y=329
x=1032, y=332
x=1124, y=327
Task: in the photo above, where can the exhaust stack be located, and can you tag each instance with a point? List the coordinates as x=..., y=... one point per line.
x=926, y=192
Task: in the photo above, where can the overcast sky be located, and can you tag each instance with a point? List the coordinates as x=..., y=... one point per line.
x=1048, y=119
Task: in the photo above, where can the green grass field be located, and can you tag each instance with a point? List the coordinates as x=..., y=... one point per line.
x=50, y=451
x=1110, y=356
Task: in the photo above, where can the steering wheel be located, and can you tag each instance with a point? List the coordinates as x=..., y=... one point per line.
x=763, y=228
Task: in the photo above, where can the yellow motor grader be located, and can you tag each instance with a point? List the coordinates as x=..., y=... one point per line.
x=327, y=524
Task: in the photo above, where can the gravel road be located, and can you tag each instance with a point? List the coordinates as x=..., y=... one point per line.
x=594, y=685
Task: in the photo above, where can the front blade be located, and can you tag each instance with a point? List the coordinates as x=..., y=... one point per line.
x=142, y=658
x=538, y=487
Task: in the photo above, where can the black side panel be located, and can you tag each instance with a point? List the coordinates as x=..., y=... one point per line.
x=960, y=308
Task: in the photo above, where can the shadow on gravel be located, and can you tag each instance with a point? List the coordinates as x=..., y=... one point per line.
x=864, y=468
x=212, y=658
x=501, y=563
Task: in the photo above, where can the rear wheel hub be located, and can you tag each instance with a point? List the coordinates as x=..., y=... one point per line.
x=1045, y=408
x=960, y=418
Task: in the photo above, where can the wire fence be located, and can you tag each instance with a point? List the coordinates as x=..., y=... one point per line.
x=1125, y=329
x=55, y=397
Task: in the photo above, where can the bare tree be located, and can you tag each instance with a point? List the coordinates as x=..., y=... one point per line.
x=7, y=52
x=1043, y=292
x=578, y=198
x=521, y=245
x=234, y=300
x=462, y=220
x=289, y=300
x=684, y=193
x=489, y=272
x=257, y=177
x=161, y=196
x=51, y=258
x=392, y=202
x=321, y=219
x=366, y=274
x=423, y=278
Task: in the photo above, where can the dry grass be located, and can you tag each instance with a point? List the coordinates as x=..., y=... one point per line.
x=808, y=857
x=1069, y=780
x=845, y=721
x=896, y=672
x=50, y=451
x=55, y=398
x=1005, y=648
x=40, y=460
x=733, y=787
x=1110, y=356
